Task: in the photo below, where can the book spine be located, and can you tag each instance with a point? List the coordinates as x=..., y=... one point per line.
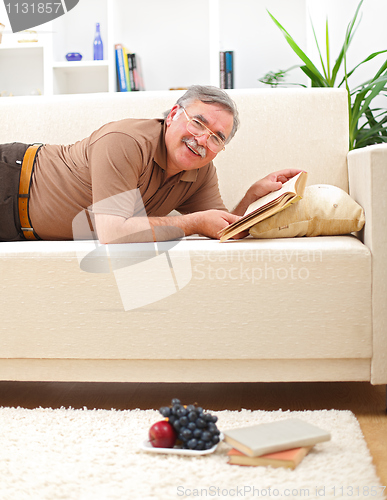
x=229, y=69
x=126, y=65
x=120, y=68
x=222, y=65
x=131, y=63
x=137, y=72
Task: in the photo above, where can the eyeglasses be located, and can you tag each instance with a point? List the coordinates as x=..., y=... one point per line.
x=197, y=129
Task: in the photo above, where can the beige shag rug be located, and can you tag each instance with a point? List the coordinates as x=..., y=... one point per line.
x=86, y=454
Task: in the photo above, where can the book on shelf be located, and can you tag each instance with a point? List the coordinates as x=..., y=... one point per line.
x=286, y=458
x=130, y=59
x=290, y=192
x=135, y=72
x=126, y=66
x=260, y=439
x=122, y=82
x=229, y=69
x=226, y=64
x=138, y=74
x=222, y=66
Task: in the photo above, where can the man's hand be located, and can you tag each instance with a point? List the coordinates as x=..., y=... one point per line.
x=210, y=222
x=268, y=184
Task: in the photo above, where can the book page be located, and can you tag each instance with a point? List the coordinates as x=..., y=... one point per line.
x=288, y=187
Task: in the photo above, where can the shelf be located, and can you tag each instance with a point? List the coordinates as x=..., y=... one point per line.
x=21, y=46
x=79, y=65
x=73, y=77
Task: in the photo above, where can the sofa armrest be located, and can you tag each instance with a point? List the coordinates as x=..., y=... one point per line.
x=367, y=170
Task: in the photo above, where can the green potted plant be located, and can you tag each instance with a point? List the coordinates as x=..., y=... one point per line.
x=367, y=125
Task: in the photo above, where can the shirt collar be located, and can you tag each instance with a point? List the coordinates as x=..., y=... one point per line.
x=161, y=159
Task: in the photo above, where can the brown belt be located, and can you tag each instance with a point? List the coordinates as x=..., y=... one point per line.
x=24, y=191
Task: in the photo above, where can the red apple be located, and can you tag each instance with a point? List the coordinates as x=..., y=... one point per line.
x=162, y=435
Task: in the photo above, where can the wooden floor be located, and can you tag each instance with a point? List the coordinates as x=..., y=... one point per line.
x=367, y=402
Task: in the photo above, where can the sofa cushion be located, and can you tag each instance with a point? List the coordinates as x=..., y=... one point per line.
x=299, y=298
x=323, y=210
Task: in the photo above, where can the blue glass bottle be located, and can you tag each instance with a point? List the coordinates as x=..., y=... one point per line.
x=98, y=45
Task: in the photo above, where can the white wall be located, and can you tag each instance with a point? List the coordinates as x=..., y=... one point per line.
x=175, y=44
x=171, y=37
x=247, y=29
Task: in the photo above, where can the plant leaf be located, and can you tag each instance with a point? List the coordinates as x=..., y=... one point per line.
x=328, y=55
x=315, y=81
x=369, y=58
x=319, y=51
x=364, y=98
x=312, y=68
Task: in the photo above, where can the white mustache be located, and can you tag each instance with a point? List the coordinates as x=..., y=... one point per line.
x=192, y=142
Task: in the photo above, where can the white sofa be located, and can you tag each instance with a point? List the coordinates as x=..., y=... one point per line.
x=296, y=309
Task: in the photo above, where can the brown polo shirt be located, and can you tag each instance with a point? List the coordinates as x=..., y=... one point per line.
x=119, y=157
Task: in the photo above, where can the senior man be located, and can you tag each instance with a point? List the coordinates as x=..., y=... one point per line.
x=167, y=162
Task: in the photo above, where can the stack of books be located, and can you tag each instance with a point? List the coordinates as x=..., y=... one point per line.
x=279, y=444
x=129, y=73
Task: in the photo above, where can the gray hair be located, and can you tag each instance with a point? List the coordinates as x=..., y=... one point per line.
x=210, y=95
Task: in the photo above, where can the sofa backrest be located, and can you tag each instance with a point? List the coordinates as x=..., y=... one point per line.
x=280, y=128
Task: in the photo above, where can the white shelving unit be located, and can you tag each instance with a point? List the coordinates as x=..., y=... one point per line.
x=178, y=42
x=74, y=32
x=31, y=68
x=79, y=77
x=22, y=68
x=174, y=40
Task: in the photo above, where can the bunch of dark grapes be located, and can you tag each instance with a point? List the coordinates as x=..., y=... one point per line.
x=196, y=429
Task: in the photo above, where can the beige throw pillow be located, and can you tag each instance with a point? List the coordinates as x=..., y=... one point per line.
x=323, y=210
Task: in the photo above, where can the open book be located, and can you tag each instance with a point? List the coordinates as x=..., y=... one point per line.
x=268, y=205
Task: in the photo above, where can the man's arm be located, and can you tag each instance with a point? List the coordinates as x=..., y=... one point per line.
x=116, y=229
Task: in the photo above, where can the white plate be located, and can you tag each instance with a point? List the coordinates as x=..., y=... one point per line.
x=146, y=446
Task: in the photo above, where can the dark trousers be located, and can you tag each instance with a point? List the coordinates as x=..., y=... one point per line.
x=11, y=157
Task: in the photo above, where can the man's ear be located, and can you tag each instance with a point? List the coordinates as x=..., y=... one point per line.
x=172, y=114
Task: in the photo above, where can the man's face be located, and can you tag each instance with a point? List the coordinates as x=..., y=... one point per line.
x=186, y=152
